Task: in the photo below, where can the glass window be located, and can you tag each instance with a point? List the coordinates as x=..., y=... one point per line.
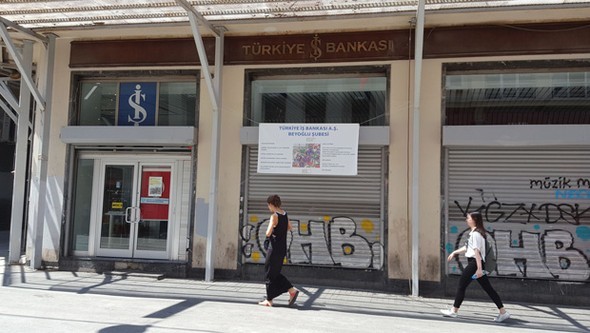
x=82, y=203
x=360, y=99
x=178, y=103
x=517, y=98
x=98, y=103
x=147, y=103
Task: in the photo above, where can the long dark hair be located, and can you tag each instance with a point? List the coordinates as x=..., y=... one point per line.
x=478, y=219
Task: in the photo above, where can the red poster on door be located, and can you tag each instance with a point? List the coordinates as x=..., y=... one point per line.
x=155, y=194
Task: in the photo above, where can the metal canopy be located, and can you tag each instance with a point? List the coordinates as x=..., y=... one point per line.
x=55, y=14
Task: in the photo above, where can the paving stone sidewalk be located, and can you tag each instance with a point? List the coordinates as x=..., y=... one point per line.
x=57, y=301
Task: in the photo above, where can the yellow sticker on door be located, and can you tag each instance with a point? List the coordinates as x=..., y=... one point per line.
x=116, y=205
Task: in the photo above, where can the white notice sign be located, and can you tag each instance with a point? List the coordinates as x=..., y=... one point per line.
x=316, y=149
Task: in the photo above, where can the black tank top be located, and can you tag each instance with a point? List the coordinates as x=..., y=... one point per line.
x=279, y=241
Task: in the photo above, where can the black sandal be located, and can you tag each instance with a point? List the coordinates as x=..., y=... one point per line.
x=293, y=297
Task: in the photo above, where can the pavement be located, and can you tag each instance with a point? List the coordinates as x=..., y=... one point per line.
x=119, y=302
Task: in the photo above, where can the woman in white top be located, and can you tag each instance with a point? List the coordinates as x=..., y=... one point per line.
x=475, y=251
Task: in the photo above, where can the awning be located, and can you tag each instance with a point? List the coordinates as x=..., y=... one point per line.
x=47, y=15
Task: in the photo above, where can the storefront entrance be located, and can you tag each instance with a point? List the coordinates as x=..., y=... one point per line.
x=135, y=206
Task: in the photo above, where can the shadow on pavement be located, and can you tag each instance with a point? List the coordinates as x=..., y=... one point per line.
x=174, y=309
x=142, y=328
x=121, y=286
x=313, y=303
x=125, y=329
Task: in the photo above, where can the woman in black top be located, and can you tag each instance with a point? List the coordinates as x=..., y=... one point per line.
x=277, y=283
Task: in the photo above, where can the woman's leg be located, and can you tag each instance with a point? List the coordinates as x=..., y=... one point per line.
x=464, y=281
x=281, y=284
x=275, y=281
x=268, y=274
x=484, y=282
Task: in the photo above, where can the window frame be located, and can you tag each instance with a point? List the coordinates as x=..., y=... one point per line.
x=507, y=67
x=118, y=77
x=251, y=75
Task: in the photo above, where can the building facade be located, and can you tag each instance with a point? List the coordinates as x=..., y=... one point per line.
x=504, y=122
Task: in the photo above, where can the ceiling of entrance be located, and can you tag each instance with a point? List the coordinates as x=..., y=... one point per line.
x=87, y=13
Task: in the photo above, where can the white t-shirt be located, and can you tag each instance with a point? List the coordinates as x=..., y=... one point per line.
x=476, y=241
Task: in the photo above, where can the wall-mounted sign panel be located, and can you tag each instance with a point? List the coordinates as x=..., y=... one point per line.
x=316, y=149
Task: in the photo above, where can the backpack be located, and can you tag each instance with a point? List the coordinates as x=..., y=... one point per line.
x=490, y=263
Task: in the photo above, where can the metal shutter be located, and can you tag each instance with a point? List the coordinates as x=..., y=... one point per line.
x=534, y=201
x=337, y=220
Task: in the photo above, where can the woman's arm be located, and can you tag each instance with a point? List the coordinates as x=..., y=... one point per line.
x=273, y=223
x=479, y=271
x=460, y=250
x=289, y=226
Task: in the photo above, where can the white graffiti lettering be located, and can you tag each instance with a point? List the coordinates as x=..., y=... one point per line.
x=540, y=240
x=336, y=242
x=562, y=259
x=348, y=248
x=303, y=250
x=550, y=255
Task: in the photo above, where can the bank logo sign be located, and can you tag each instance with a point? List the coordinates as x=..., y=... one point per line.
x=137, y=104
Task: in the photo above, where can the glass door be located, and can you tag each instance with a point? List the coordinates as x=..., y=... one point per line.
x=117, y=213
x=154, y=209
x=135, y=209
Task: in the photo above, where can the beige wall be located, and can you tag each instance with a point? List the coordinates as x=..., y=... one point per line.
x=230, y=171
x=430, y=170
x=202, y=178
x=230, y=166
x=56, y=156
x=57, y=150
x=398, y=244
x=398, y=237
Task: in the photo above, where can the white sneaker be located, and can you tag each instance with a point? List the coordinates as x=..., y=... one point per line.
x=449, y=313
x=501, y=317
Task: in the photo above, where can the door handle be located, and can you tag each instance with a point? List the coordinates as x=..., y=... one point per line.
x=128, y=214
x=137, y=214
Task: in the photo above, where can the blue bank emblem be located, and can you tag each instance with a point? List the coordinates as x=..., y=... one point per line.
x=137, y=104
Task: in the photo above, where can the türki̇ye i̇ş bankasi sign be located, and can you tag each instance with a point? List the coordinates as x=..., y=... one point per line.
x=313, y=48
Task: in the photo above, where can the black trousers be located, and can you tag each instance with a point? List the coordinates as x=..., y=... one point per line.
x=484, y=282
x=276, y=283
